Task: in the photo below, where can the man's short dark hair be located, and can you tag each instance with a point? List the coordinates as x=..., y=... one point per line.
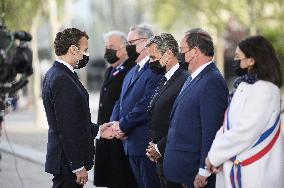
x=199, y=38
x=66, y=38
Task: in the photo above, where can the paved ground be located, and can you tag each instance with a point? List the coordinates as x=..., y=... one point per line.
x=32, y=174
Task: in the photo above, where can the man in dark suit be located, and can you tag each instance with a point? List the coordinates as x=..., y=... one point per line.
x=130, y=111
x=197, y=114
x=112, y=168
x=163, y=51
x=71, y=133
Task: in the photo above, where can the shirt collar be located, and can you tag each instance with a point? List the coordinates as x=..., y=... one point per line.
x=66, y=64
x=143, y=62
x=197, y=71
x=171, y=72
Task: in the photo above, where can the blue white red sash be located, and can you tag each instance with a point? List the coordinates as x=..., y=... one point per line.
x=239, y=164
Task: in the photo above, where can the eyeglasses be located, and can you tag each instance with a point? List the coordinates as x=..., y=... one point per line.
x=131, y=42
x=182, y=49
x=85, y=52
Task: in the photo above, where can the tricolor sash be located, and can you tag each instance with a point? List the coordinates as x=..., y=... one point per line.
x=237, y=177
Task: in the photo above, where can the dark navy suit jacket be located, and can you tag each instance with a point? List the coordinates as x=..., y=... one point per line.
x=131, y=109
x=71, y=133
x=196, y=116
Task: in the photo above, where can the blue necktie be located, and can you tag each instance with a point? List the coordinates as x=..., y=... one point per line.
x=136, y=69
x=186, y=83
x=135, y=72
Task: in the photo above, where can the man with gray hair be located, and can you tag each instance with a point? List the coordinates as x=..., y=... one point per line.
x=136, y=41
x=163, y=51
x=112, y=168
x=131, y=122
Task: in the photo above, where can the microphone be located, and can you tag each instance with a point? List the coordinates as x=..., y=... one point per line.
x=23, y=36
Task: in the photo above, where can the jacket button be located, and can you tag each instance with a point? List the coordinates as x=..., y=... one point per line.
x=101, y=105
x=105, y=89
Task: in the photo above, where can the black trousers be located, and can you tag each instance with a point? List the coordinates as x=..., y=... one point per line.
x=163, y=181
x=65, y=181
x=173, y=185
x=112, y=167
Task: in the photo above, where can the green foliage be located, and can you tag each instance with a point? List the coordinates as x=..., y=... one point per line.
x=19, y=13
x=276, y=37
x=264, y=17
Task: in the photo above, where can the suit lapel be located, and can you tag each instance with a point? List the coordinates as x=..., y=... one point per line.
x=169, y=82
x=127, y=81
x=81, y=86
x=109, y=78
x=192, y=84
x=188, y=88
x=133, y=80
x=60, y=65
x=128, y=64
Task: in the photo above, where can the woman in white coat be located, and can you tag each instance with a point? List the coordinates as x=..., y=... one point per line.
x=248, y=151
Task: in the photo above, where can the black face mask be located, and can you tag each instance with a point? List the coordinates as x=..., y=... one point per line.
x=157, y=68
x=181, y=60
x=131, y=52
x=237, y=68
x=110, y=56
x=83, y=62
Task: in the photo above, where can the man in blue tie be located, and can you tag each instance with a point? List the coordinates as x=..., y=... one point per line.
x=130, y=111
x=196, y=115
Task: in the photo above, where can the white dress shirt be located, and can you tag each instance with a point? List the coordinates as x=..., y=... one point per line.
x=66, y=64
x=171, y=72
x=202, y=171
x=197, y=71
x=143, y=62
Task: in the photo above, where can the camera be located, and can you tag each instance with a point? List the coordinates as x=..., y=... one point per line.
x=15, y=65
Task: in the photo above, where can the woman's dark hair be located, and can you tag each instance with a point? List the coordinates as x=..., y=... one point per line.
x=267, y=65
x=66, y=38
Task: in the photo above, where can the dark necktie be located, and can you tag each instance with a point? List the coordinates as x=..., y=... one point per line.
x=186, y=83
x=157, y=91
x=112, y=71
x=76, y=75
